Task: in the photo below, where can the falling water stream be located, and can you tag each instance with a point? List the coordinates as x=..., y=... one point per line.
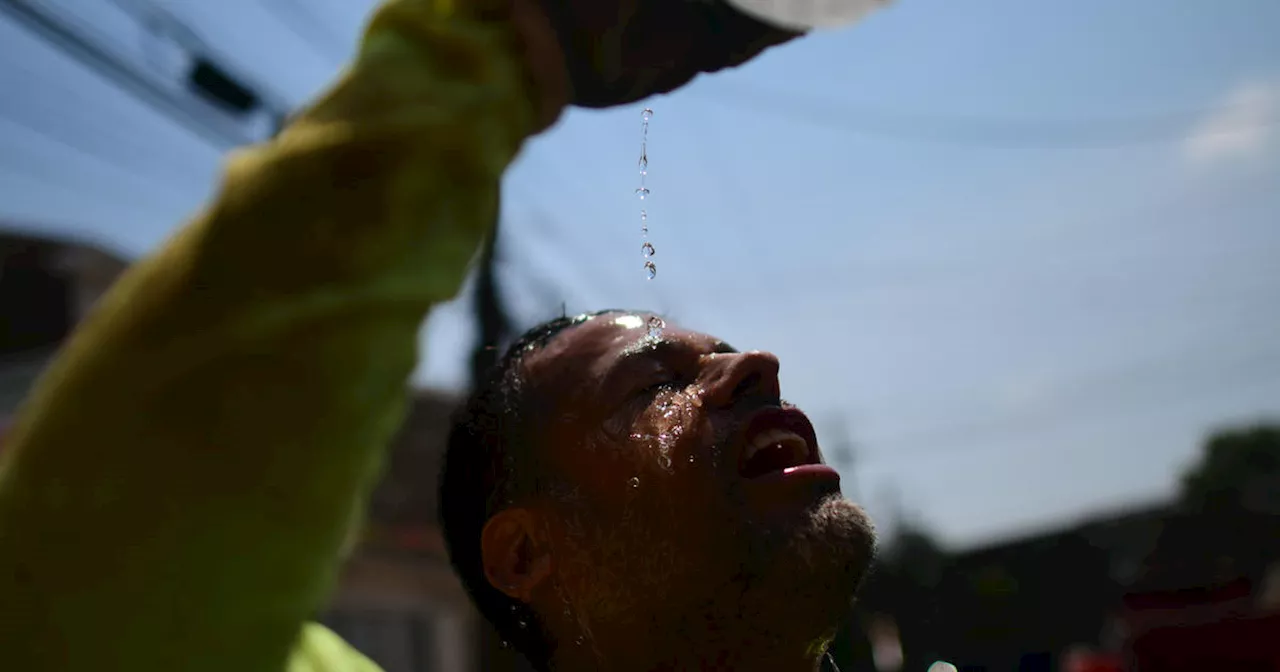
x=647, y=250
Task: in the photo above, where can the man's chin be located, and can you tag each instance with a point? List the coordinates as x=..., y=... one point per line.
x=824, y=559
x=837, y=539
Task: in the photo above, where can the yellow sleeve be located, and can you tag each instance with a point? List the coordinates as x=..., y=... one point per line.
x=176, y=490
x=320, y=650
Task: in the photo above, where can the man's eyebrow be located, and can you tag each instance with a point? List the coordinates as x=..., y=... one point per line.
x=647, y=347
x=653, y=347
x=626, y=360
x=658, y=347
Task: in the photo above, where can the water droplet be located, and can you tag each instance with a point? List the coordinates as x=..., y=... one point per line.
x=522, y=623
x=504, y=644
x=642, y=192
x=665, y=461
x=635, y=482
x=656, y=325
x=691, y=459
x=580, y=640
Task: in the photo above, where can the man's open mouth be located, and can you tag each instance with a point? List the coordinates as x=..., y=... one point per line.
x=776, y=439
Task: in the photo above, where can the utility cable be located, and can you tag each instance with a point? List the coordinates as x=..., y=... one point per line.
x=976, y=132
x=221, y=134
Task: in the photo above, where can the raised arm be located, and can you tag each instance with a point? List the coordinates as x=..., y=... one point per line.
x=176, y=489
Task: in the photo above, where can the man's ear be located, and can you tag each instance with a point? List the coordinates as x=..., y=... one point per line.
x=516, y=553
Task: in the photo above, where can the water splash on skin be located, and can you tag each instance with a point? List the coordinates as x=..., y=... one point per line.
x=675, y=412
x=656, y=325
x=664, y=451
x=695, y=396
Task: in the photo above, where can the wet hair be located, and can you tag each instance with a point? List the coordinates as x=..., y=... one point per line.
x=490, y=462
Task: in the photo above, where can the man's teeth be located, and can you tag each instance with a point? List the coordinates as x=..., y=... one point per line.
x=789, y=440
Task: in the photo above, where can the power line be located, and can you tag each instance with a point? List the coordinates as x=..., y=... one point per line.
x=319, y=36
x=977, y=132
x=161, y=20
x=544, y=230
x=941, y=442
x=109, y=162
x=219, y=133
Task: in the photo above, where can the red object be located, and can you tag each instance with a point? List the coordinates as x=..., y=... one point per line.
x=1093, y=662
x=1213, y=628
x=1249, y=644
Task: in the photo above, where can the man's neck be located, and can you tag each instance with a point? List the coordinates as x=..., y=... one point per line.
x=720, y=644
x=750, y=659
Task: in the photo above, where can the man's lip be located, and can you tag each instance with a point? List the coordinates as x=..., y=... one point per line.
x=787, y=418
x=816, y=473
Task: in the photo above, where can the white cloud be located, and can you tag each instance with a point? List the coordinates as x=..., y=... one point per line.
x=1242, y=125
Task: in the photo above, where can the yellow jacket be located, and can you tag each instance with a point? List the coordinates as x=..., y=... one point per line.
x=176, y=490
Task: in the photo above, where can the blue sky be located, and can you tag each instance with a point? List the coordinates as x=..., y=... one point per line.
x=1013, y=333
x=1024, y=252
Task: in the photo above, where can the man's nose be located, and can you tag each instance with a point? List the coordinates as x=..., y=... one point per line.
x=729, y=378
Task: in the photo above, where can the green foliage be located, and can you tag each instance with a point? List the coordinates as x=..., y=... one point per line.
x=1239, y=471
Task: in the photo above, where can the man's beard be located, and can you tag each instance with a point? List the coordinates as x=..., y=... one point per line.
x=815, y=565
x=804, y=572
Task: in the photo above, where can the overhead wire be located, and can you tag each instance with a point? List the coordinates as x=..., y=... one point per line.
x=550, y=232
x=317, y=35
x=542, y=238
x=112, y=69
x=153, y=14
x=84, y=153
x=972, y=131
x=943, y=442
x=36, y=113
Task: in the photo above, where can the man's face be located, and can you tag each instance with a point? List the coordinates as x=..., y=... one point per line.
x=686, y=481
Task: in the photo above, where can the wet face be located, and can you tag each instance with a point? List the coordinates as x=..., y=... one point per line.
x=685, y=484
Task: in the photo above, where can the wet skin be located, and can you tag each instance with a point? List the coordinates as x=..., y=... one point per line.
x=660, y=519
x=685, y=397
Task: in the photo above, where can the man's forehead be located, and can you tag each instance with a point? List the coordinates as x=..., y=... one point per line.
x=600, y=338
